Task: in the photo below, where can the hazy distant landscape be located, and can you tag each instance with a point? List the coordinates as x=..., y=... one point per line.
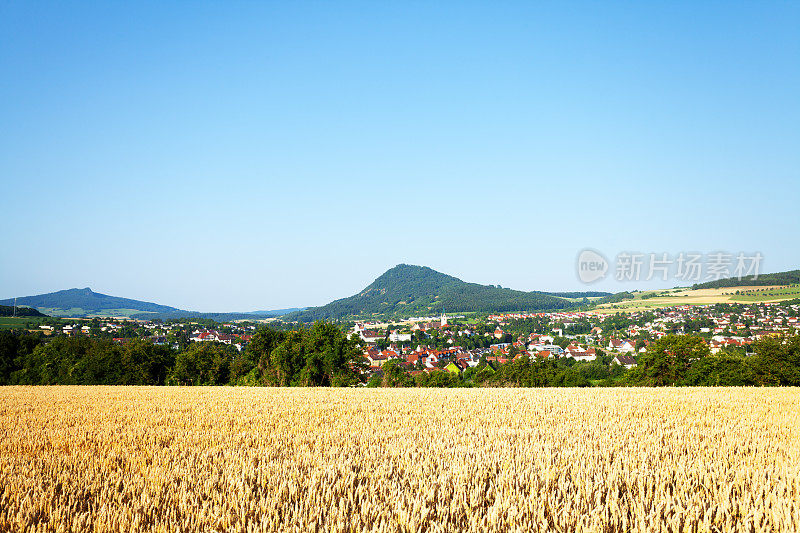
x=81, y=303
x=409, y=290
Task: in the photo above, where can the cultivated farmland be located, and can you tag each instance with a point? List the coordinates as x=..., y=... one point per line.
x=649, y=300
x=255, y=459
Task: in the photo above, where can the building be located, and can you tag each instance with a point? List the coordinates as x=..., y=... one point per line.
x=399, y=337
x=628, y=361
x=370, y=336
x=585, y=355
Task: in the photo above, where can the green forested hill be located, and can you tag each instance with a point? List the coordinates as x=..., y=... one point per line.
x=407, y=290
x=790, y=277
x=86, y=302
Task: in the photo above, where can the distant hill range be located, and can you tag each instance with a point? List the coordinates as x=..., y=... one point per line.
x=408, y=290
x=87, y=303
x=790, y=277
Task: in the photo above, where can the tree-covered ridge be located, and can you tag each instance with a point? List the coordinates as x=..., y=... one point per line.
x=580, y=294
x=89, y=301
x=10, y=310
x=614, y=298
x=85, y=303
x=790, y=277
x=414, y=290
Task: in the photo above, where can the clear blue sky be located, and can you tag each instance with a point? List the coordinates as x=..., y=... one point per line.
x=235, y=156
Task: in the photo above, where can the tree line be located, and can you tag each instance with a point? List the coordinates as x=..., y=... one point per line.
x=322, y=355
x=686, y=360
x=11, y=310
x=790, y=277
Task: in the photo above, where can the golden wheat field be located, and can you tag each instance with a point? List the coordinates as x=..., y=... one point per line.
x=255, y=459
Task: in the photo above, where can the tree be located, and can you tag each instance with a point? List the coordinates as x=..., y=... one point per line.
x=149, y=364
x=203, y=363
x=570, y=378
x=8, y=353
x=667, y=361
x=257, y=353
x=776, y=363
x=321, y=355
x=438, y=378
x=395, y=375
x=722, y=369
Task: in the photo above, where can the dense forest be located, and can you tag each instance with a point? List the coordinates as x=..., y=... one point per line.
x=579, y=294
x=790, y=277
x=407, y=290
x=614, y=298
x=10, y=310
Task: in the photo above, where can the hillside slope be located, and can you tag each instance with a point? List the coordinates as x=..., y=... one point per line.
x=790, y=277
x=407, y=290
x=85, y=302
x=10, y=310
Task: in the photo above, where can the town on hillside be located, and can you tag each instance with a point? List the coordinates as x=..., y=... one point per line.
x=427, y=345
x=604, y=346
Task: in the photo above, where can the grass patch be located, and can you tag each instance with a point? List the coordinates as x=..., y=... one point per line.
x=769, y=294
x=23, y=322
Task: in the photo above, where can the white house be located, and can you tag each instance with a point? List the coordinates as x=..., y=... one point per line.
x=399, y=337
x=622, y=346
x=370, y=336
x=628, y=361
x=586, y=355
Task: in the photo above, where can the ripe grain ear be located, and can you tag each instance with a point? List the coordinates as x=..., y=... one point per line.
x=258, y=459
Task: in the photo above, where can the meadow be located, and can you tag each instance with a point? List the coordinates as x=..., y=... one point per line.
x=766, y=294
x=8, y=322
x=303, y=459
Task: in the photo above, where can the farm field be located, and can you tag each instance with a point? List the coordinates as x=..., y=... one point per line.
x=80, y=312
x=671, y=297
x=260, y=459
x=13, y=322
x=757, y=294
x=8, y=322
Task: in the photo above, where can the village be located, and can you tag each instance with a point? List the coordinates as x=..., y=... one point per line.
x=455, y=343
x=176, y=334
x=577, y=336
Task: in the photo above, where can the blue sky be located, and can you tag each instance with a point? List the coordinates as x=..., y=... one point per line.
x=237, y=156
